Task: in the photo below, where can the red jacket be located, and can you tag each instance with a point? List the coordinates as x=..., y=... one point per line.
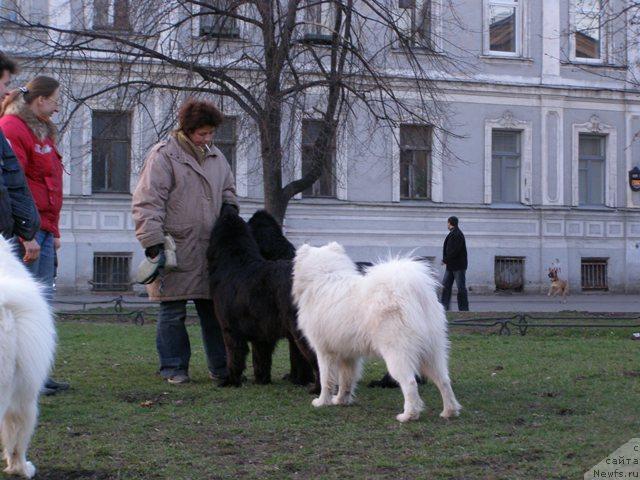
x=42, y=165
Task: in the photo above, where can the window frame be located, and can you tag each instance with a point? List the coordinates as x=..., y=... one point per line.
x=604, y=35
x=111, y=17
x=129, y=129
x=412, y=31
x=601, y=160
x=403, y=148
x=233, y=143
x=508, y=122
x=519, y=39
x=595, y=126
x=334, y=164
x=318, y=31
x=502, y=155
x=228, y=33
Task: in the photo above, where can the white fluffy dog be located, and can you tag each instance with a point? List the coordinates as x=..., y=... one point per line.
x=391, y=312
x=27, y=345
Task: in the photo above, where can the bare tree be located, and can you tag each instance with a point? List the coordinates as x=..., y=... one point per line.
x=277, y=60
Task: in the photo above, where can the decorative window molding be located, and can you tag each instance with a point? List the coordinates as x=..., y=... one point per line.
x=519, y=22
x=342, y=166
x=243, y=144
x=395, y=164
x=87, y=169
x=508, y=122
x=594, y=126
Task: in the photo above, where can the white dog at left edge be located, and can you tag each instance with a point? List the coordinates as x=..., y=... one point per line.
x=27, y=347
x=391, y=312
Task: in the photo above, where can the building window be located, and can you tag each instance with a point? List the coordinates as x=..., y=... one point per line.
x=111, y=14
x=503, y=27
x=505, y=166
x=588, y=32
x=319, y=19
x=9, y=11
x=325, y=186
x=111, y=152
x=415, y=22
x=217, y=20
x=225, y=139
x=415, y=161
x=111, y=272
x=591, y=169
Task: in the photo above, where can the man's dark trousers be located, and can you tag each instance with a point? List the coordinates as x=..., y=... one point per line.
x=447, y=284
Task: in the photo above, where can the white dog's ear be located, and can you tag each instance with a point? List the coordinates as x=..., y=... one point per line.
x=303, y=249
x=335, y=247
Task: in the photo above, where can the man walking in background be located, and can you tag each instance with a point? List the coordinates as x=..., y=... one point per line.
x=454, y=256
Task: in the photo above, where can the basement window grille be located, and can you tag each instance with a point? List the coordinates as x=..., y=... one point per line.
x=509, y=273
x=594, y=273
x=111, y=272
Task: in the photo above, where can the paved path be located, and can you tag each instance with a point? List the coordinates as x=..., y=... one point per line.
x=478, y=303
x=542, y=303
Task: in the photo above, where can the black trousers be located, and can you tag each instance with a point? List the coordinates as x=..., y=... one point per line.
x=447, y=284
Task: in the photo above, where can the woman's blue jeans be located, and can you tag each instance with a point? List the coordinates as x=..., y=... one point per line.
x=172, y=339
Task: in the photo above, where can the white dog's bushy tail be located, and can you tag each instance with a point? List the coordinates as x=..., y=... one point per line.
x=7, y=341
x=412, y=287
x=25, y=325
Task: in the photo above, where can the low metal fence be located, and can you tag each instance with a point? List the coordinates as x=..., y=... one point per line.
x=137, y=311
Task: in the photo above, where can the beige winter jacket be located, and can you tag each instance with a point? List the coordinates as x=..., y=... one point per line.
x=175, y=195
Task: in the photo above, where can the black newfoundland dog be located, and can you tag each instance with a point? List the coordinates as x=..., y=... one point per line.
x=252, y=297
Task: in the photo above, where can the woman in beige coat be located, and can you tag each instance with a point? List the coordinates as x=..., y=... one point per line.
x=184, y=184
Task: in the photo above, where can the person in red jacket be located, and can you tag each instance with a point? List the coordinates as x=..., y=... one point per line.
x=26, y=124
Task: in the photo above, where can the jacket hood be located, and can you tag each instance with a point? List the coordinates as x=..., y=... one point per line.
x=43, y=128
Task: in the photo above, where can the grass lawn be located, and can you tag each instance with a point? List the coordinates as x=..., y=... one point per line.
x=547, y=405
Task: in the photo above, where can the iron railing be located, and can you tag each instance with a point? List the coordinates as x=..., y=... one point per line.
x=137, y=311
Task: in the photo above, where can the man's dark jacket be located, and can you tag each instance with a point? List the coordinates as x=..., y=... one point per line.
x=454, y=251
x=18, y=213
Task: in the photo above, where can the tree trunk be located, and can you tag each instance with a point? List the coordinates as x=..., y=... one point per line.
x=271, y=150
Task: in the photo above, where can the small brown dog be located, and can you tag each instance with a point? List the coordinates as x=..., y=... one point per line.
x=558, y=286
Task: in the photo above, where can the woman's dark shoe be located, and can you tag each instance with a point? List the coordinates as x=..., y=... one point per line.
x=51, y=384
x=388, y=382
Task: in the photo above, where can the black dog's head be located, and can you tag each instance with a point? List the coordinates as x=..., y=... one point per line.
x=231, y=238
x=268, y=234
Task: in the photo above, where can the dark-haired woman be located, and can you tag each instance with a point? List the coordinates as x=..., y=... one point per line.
x=26, y=123
x=184, y=183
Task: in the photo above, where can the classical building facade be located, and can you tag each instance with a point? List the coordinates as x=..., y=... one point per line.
x=542, y=131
